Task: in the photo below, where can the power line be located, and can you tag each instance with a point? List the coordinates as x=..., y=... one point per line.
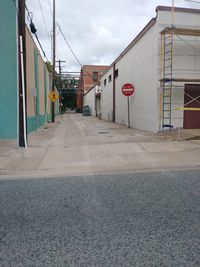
x=44, y=21
x=30, y=19
x=33, y=30
x=69, y=46
x=30, y=14
x=193, y=1
x=50, y=7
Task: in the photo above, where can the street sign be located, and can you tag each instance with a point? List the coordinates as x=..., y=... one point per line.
x=128, y=89
x=53, y=96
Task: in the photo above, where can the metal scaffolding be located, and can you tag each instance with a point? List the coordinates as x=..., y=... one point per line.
x=168, y=79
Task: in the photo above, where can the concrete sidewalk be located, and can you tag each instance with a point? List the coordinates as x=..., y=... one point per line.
x=76, y=145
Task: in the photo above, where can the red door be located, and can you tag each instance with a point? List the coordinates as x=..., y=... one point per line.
x=192, y=100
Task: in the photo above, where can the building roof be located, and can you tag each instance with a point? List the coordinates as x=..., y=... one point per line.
x=147, y=27
x=94, y=66
x=177, y=9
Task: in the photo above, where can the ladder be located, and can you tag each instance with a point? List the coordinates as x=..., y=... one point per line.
x=166, y=79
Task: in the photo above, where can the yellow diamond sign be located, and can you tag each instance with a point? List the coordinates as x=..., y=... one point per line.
x=53, y=96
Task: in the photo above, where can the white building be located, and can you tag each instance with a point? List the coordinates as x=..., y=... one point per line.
x=163, y=65
x=92, y=98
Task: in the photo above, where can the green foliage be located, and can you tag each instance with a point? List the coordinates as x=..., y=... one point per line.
x=67, y=88
x=49, y=66
x=58, y=81
x=68, y=98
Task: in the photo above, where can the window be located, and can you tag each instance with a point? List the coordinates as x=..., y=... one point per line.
x=116, y=73
x=109, y=78
x=104, y=82
x=95, y=76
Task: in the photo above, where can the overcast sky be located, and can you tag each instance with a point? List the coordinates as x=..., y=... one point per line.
x=97, y=31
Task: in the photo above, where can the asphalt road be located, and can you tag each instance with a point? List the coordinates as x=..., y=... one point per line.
x=138, y=219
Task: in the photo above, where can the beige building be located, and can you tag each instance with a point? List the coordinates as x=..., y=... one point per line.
x=38, y=87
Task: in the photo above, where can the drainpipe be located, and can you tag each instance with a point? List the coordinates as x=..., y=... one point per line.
x=95, y=101
x=113, y=117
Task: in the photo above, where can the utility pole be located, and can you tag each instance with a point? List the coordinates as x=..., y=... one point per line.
x=173, y=13
x=60, y=67
x=22, y=142
x=54, y=56
x=60, y=74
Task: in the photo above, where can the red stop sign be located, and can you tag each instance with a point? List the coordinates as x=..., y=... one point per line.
x=128, y=89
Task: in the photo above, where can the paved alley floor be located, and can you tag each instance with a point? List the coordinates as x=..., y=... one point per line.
x=75, y=145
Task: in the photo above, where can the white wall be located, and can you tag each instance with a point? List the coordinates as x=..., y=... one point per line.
x=141, y=67
x=181, y=19
x=89, y=99
x=92, y=101
x=107, y=96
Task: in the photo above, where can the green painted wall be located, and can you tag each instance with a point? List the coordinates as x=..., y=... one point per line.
x=35, y=122
x=33, y=125
x=36, y=82
x=8, y=70
x=45, y=91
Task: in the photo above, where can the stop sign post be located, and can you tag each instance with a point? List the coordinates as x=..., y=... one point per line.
x=128, y=90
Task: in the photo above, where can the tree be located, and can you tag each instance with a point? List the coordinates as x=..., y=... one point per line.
x=68, y=98
x=58, y=81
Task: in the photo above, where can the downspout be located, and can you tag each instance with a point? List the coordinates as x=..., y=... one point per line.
x=82, y=94
x=113, y=117
x=95, y=101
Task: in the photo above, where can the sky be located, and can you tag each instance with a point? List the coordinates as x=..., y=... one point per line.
x=97, y=31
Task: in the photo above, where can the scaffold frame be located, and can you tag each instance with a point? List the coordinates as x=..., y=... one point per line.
x=167, y=79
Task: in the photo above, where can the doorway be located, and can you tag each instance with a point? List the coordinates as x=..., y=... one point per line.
x=192, y=100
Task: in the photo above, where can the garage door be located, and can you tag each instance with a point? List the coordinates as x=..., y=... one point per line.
x=192, y=100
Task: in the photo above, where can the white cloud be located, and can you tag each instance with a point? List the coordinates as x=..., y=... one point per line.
x=96, y=30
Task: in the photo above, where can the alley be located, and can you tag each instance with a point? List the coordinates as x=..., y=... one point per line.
x=86, y=145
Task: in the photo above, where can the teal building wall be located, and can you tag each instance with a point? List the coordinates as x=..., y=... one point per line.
x=9, y=78
x=8, y=70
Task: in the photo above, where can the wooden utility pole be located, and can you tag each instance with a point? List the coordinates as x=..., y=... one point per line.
x=173, y=13
x=22, y=75
x=54, y=56
x=60, y=67
x=60, y=75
